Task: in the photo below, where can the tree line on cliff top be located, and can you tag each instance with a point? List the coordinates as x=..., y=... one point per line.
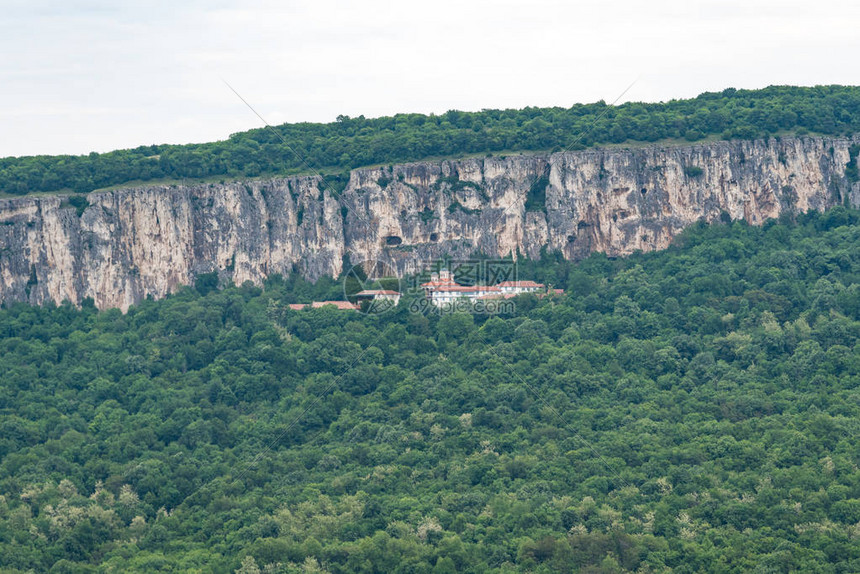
x=353, y=142
x=690, y=410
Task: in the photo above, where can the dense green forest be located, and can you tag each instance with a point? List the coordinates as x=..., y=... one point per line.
x=690, y=410
x=354, y=142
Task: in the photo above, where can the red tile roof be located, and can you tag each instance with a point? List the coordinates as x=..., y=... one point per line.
x=342, y=305
x=497, y=296
x=376, y=292
x=520, y=284
x=451, y=286
x=440, y=283
x=467, y=288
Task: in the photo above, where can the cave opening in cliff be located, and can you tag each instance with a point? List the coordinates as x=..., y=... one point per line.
x=434, y=237
x=644, y=191
x=393, y=240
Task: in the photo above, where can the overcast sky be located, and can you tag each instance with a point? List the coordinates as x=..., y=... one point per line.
x=95, y=75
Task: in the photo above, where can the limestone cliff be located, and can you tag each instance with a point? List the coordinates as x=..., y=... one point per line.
x=146, y=241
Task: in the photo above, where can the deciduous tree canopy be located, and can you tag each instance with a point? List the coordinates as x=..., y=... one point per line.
x=694, y=409
x=354, y=142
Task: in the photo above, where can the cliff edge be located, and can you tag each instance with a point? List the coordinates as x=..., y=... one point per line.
x=128, y=244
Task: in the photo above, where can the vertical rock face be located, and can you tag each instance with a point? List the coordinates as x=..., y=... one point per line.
x=133, y=243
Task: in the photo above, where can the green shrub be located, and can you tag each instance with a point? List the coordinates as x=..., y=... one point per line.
x=693, y=171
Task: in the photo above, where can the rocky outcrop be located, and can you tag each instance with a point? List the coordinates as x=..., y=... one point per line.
x=132, y=243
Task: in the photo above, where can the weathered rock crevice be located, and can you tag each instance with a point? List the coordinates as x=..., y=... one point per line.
x=132, y=243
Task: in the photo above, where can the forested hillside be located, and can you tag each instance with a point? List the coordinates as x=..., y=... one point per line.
x=354, y=142
x=694, y=409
